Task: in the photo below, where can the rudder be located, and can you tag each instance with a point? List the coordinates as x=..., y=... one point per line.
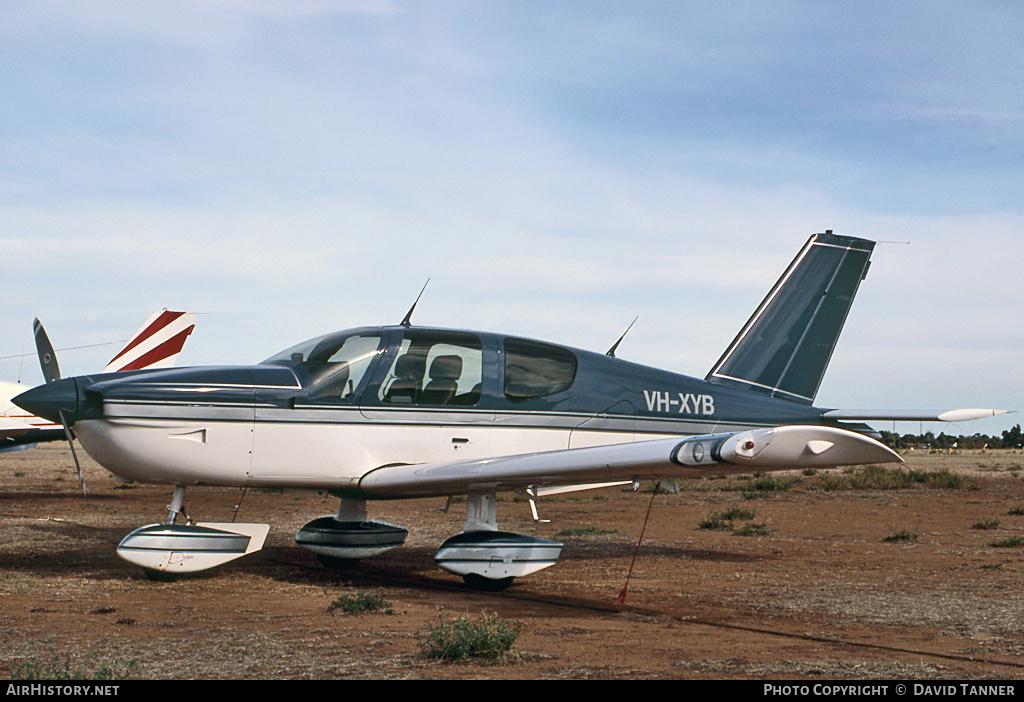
x=784, y=348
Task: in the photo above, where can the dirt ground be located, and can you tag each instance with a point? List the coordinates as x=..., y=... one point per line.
x=814, y=582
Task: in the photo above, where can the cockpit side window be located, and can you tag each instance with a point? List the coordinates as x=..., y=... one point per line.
x=536, y=370
x=435, y=368
x=338, y=365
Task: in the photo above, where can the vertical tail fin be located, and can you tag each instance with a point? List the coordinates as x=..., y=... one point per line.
x=786, y=345
x=156, y=344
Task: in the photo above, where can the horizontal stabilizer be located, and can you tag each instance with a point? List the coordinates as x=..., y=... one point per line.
x=778, y=448
x=866, y=415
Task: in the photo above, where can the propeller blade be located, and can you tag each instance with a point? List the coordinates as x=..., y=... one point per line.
x=47, y=357
x=71, y=443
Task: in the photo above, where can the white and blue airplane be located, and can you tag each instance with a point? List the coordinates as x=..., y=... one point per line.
x=392, y=412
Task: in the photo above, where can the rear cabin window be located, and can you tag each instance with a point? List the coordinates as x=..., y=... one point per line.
x=535, y=370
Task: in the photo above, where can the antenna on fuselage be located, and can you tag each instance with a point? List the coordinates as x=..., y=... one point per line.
x=611, y=351
x=407, y=322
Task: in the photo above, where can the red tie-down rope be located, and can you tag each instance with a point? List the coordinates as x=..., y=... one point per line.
x=622, y=595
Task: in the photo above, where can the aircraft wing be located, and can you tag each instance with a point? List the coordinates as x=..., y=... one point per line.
x=11, y=427
x=778, y=448
x=16, y=434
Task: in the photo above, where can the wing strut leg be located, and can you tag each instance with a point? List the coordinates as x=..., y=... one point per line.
x=481, y=512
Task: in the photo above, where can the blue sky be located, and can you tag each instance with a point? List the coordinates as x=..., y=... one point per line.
x=555, y=168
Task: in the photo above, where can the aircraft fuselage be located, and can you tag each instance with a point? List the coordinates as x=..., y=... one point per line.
x=325, y=415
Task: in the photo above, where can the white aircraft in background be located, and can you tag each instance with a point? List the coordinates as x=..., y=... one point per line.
x=156, y=344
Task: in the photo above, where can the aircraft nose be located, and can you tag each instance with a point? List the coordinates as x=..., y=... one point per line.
x=48, y=401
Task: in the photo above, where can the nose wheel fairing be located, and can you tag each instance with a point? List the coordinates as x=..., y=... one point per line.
x=168, y=549
x=181, y=548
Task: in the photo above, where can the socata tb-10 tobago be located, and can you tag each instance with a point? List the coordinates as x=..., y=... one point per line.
x=380, y=413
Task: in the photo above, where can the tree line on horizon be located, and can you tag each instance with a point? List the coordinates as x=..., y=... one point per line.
x=1010, y=439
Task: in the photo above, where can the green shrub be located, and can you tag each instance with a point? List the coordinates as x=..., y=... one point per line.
x=948, y=480
x=63, y=668
x=489, y=639
x=714, y=522
x=901, y=536
x=984, y=524
x=752, y=529
x=880, y=478
x=761, y=486
x=360, y=603
x=723, y=520
x=587, y=531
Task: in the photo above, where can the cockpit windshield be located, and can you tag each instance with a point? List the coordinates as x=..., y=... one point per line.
x=336, y=362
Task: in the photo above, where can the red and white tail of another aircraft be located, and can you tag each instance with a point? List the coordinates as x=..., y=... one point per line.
x=156, y=344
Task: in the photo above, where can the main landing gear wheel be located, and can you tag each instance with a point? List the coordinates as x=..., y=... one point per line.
x=488, y=559
x=335, y=563
x=339, y=542
x=479, y=582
